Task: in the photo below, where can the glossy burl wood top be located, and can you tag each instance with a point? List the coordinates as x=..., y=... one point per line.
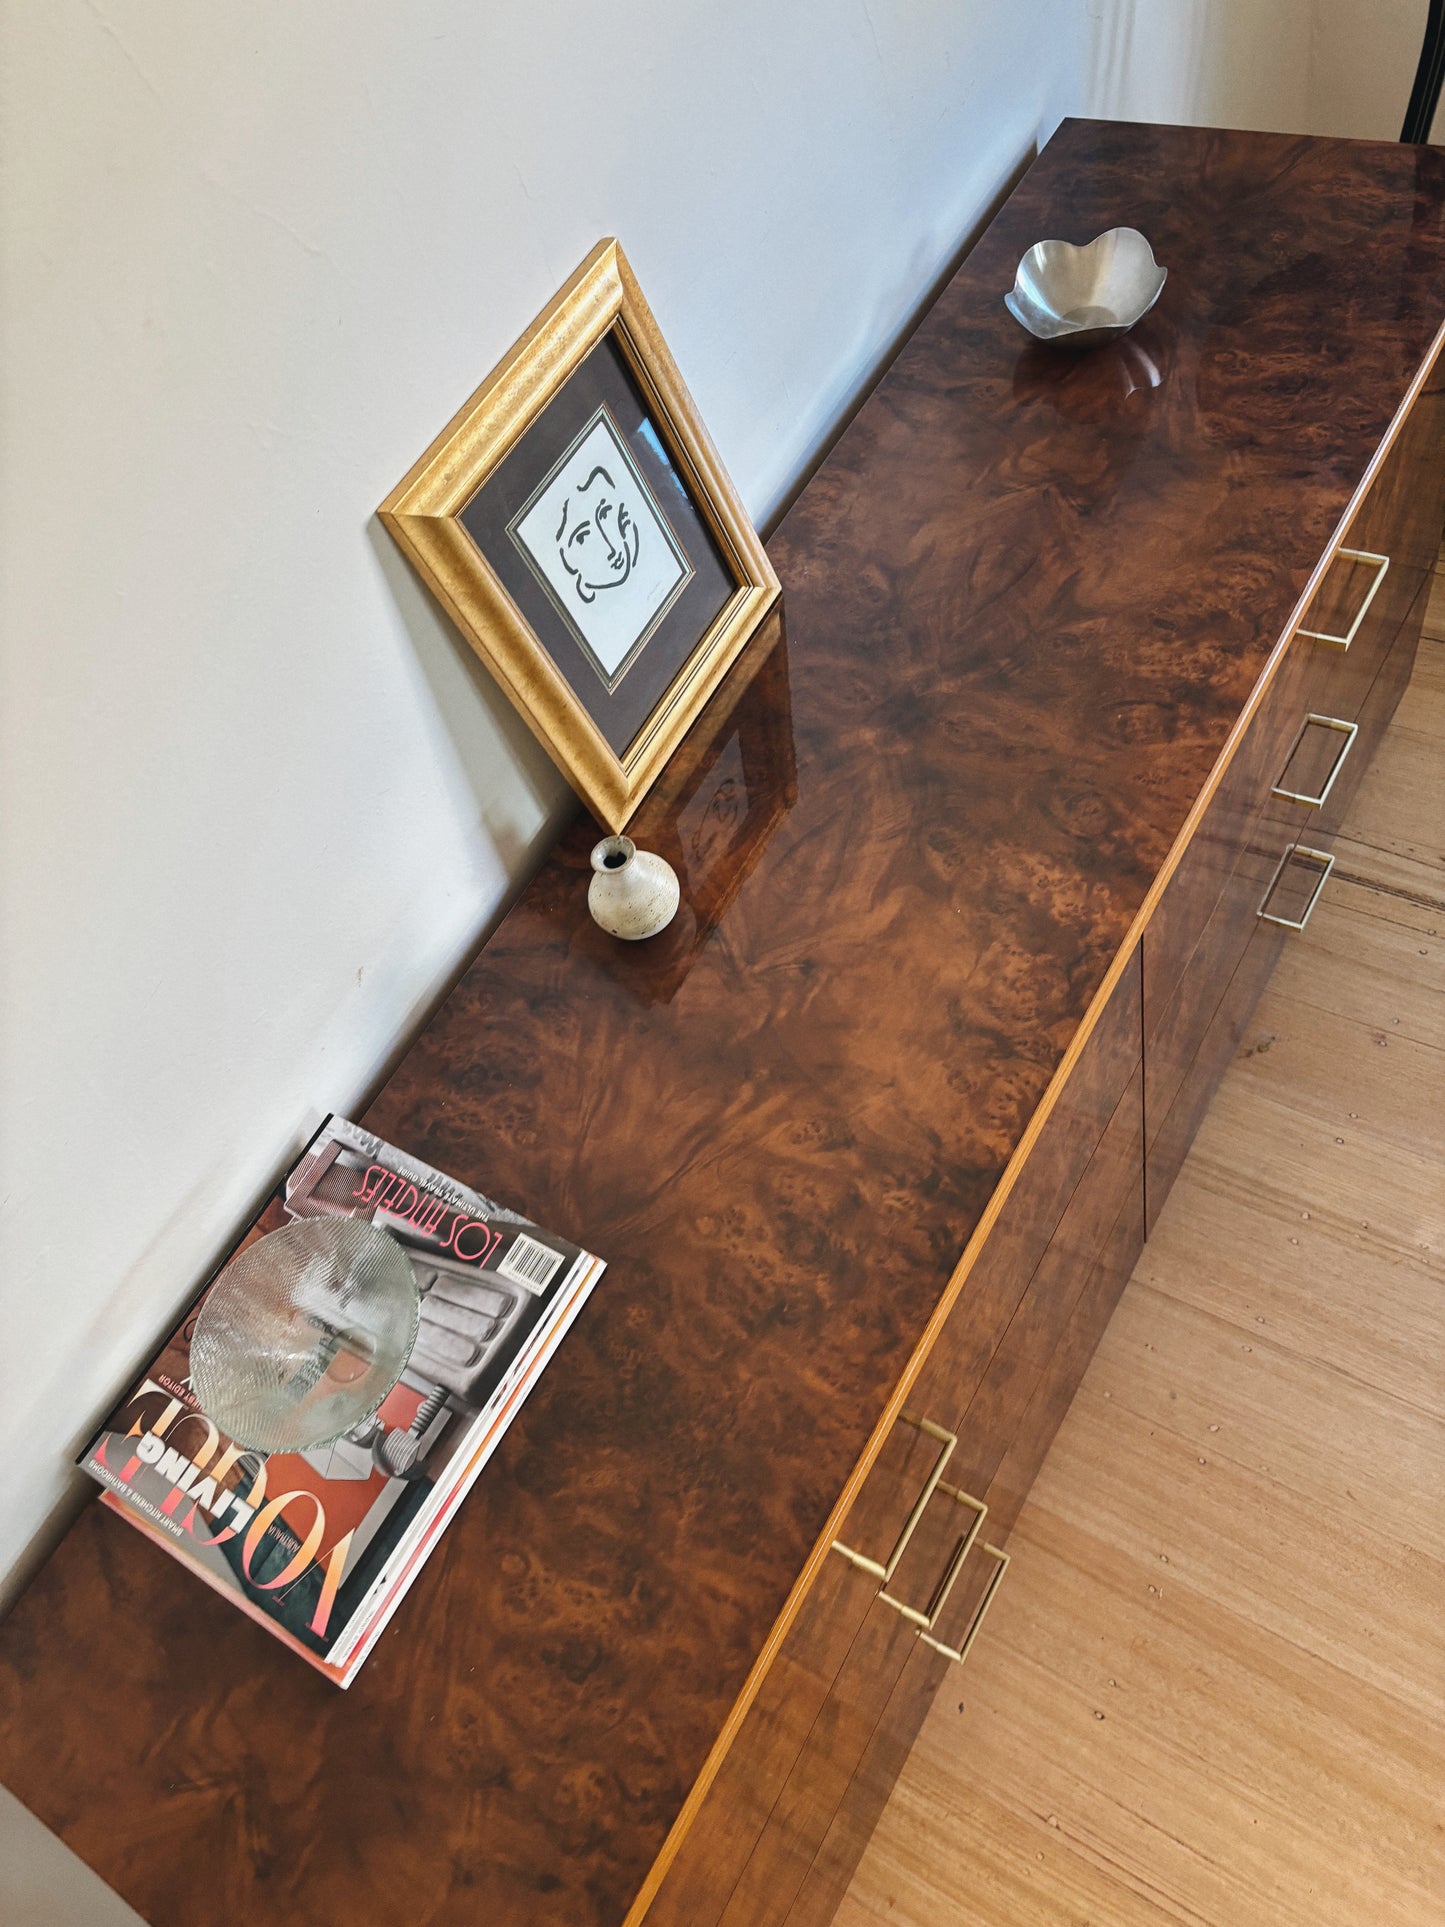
x=1026, y=598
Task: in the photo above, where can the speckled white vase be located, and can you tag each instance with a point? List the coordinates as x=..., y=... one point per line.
x=633, y=893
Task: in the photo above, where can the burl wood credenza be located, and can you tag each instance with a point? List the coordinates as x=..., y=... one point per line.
x=984, y=864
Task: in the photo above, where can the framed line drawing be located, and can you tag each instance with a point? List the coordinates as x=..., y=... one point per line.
x=577, y=525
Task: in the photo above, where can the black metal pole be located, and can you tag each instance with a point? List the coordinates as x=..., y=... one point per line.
x=1429, y=76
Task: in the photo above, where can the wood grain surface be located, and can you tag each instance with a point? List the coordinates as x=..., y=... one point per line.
x=1026, y=600
x=773, y=1799
x=1213, y=1688
x=1244, y=823
x=763, y=1827
x=1014, y=1451
x=1196, y=1037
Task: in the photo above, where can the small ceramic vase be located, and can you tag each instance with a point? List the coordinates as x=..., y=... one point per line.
x=633, y=893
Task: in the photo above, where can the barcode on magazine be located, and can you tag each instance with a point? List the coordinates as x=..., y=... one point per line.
x=529, y=1264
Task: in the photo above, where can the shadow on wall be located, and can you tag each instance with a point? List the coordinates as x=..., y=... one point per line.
x=1206, y=63
x=462, y=689
x=134, y=1301
x=1283, y=66
x=926, y=273
x=459, y=684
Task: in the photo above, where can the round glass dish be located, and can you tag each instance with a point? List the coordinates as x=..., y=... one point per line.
x=304, y=1334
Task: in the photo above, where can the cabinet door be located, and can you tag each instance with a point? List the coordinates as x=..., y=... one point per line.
x=746, y=1804
x=843, y=1772
x=774, y=1798
x=1003, y=1439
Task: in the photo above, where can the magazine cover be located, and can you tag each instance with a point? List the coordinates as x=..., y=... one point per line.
x=321, y=1544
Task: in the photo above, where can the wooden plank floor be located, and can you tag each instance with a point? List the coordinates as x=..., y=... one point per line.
x=1212, y=1688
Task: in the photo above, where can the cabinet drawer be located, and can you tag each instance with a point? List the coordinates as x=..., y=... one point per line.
x=1399, y=521
x=1172, y=1048
x=1331, y=753
x=1360, y=599
x=1368, y=602
x=1209, y=863
x=1206, y=1021
x=775, y=1797
x=1246, y=836
x=1196, y=1036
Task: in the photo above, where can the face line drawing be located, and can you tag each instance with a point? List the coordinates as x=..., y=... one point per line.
x=602, y=543
x=611, y=631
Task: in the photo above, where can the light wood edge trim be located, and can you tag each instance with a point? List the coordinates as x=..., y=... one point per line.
x=761, y=1666
x=420, y=513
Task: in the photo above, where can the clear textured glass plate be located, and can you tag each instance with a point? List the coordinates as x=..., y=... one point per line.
x=304, y=1334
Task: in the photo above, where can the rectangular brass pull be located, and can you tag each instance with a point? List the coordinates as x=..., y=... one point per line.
x=924, y=1617
x=959, y=1653
x=885, y=1571
x=1381, y=565
x=1326, y=861
x=1348, y=730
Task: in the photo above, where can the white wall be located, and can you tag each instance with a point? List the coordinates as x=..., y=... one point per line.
x=257, y=803
x=1362, y=67
x=1290, y=66
x=1210, y=63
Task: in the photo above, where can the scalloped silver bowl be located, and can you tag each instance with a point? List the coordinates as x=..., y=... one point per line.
x=1078, y=297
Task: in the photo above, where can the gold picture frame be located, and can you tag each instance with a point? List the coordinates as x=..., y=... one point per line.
x=610, y=749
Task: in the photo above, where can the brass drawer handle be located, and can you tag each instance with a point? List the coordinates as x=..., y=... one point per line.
x=924, y=1618
x=1327, y=863
x=885, y=1571
x=959, y=1653
x=1349, y=731
x=1381, y=564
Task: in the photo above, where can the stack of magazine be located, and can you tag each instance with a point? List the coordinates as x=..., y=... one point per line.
x=320, y=1546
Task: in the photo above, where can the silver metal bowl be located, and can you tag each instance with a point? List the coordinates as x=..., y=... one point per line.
x=1077, y=297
